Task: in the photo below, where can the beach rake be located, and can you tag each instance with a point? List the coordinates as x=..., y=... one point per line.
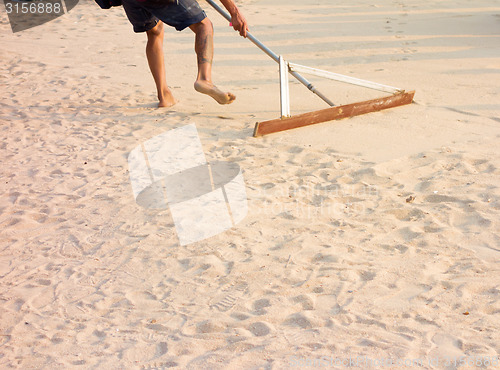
x=397, y=98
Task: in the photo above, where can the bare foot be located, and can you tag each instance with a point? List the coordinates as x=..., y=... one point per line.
x=210, y=89
x=166, y=99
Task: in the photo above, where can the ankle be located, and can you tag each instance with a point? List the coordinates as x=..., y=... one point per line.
x=204, y=80
x=164, y=92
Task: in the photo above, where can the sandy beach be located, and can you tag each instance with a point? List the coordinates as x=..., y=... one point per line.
x=371, y=242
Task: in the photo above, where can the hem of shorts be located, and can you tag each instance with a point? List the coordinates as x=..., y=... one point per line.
x=145, y=29
x=191, y=21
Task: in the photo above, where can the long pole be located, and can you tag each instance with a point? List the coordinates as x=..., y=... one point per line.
x=273, y=56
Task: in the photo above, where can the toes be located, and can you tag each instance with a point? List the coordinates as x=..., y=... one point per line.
x=231, y=98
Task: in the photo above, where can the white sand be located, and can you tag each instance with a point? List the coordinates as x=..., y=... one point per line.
x=331, y=259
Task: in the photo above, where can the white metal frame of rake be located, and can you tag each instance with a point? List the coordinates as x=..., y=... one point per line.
x=399, y=96
x=286, y=67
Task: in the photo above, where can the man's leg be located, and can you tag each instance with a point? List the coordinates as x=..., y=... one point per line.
x=154, y=53
x=204, y=47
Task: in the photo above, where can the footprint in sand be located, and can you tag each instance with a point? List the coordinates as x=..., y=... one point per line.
x=260, y=329
x=227, y=300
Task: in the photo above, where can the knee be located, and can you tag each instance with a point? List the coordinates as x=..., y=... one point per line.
x=156, y=31
x=204, y=26
x=207, y=23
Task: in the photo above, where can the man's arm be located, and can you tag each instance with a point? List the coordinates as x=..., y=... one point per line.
x=237, y=20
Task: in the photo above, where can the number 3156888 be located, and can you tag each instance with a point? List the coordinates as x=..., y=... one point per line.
x=37, y=7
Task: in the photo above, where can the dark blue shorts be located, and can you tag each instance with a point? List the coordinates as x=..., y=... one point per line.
x=144, y=15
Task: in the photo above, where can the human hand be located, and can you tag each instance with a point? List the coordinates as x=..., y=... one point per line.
x=239, y=23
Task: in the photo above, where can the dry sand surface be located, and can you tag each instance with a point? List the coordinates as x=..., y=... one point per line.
x=377, y=236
